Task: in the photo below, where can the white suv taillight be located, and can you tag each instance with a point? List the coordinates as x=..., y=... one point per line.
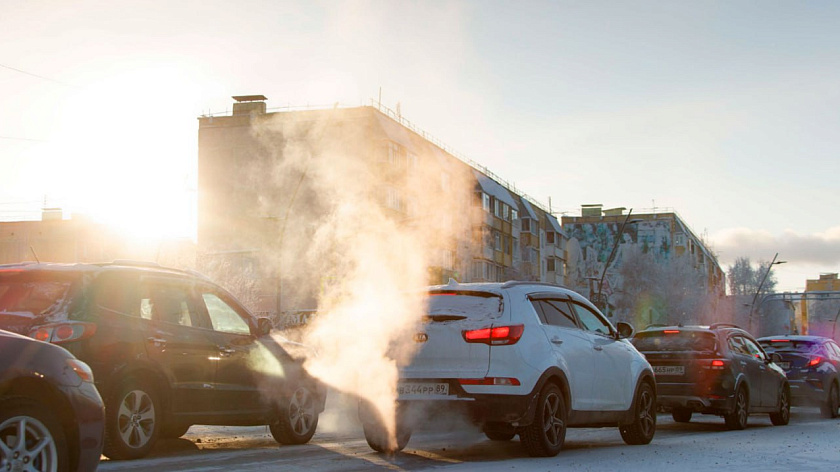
x=59, y=333
x=495, y=336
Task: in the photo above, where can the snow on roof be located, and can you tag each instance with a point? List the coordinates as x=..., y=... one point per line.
x=552, y=220
x=494, y=189
x=526, y=210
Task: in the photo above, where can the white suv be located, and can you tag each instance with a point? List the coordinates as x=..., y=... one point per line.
x=522, y=358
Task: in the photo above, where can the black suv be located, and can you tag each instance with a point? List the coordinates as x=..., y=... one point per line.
x=168, y=349
x=718, y=369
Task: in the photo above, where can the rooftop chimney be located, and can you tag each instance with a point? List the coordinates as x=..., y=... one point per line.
x=249, y=105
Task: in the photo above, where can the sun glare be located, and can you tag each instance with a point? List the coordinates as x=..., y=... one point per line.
x=125, y=155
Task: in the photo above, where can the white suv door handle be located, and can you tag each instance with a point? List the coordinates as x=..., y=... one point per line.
x=556, y=340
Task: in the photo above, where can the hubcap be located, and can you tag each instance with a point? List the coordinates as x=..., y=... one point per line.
x=553, y=424
x=301, y=411
x=26, y=445
x=742, y=408
x=136, y=419
x=647, y=420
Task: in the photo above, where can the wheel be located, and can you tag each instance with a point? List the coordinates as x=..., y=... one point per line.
x=737, y=418
x=545, y=435
x=297, y=419
x=782, y=417
x=132, y=421
x=376, y=433
x=31, y=437
x=832, y=402
x=681, y=415
x=643, y=427
x=174, y=430
x=499, y=431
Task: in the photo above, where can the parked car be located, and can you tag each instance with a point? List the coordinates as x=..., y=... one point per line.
x=168, y=348
x=718, y=370
x=51, y=415
x=812, y=365
x=522, y=358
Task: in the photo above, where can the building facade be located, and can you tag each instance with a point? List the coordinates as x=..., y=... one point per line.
x=603, y=242
x=280, y=192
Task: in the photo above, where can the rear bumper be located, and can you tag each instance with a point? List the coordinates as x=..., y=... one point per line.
x=807, y=392
x=696, y=403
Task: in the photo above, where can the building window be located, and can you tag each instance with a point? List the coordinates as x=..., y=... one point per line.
x=497, y=208
x=526, y=225
x=448, y=259
x=514, y=215
x=550, y=264
x=507, y=245
x=485, y=202
x=497, y=240
x=506, y=213
x=549, y=237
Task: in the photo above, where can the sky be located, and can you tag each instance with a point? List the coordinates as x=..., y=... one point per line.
x=726, y=112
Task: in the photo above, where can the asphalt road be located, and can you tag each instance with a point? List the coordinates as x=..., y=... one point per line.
x=808, y=443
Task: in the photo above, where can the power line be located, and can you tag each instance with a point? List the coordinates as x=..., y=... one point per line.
x=36, y=75
x=24, y=139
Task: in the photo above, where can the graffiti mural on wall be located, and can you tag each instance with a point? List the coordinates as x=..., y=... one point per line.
x=590, y=245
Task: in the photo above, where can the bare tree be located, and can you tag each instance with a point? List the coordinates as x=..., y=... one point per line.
x=744, y=279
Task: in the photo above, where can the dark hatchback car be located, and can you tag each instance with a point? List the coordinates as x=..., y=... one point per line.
x=168, y=349
x=718, y=369
x=812, y=365
x=51, y=415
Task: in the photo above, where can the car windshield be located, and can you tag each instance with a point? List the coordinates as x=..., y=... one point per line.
x=675, y=340
x=30, y=294
x=460, y=305
x=789, y=345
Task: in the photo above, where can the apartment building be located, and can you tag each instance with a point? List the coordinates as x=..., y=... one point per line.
x=273, y=183
x=599, y=239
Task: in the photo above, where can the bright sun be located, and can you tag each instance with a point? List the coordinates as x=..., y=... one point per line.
x=126, y=153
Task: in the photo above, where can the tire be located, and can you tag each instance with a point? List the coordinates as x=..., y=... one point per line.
x=737, y=418
x=499, y=431
x=39, y=425
x=544, y=437
x=297, y=419
x=132, y=421
x=643, y=427
x=681, y=415
x=832, y=402
x=782, y=417
x=174, y=430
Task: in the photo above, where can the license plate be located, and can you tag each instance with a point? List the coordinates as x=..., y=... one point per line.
x=423, y=389
x=784, y=365
x=668, y=370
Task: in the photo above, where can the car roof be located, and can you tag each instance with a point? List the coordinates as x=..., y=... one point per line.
x=708, y=328
x=796, y=337
x=100, y=267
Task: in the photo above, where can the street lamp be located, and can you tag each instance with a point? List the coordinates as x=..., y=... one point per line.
x=761, y=284
x=599, y=301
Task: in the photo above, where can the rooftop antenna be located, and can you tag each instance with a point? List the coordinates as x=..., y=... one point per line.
x=34, y=254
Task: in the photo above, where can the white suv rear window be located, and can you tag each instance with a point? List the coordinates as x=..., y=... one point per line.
x=462, y=305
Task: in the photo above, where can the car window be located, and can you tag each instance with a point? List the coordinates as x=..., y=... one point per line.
x=555, y=313
x=675, y=340
x=834, y=349
x=223, y=317
x=456, y=304
x=753, y=349
x=591, y=321
x=789, y=345
x=736, y=344
x=32, y=294
x=169, y=304
x=117, y=293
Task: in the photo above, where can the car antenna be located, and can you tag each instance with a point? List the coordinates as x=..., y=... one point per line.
x=34, y=254
x=452, y=281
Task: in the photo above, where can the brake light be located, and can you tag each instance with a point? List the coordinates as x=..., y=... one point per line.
x=672, y=331
x=779, y=340
x=490, y=381
x=717, y=364
x=495, y=336
x=63, y=332
x=815, y=361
